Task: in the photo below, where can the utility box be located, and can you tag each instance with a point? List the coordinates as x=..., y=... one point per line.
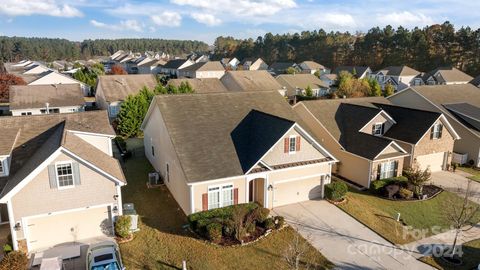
x=129, y=210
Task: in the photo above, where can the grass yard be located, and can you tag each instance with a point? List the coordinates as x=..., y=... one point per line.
x=475, y=173
x=161, y=242
x=471, y=258
x=380, y=214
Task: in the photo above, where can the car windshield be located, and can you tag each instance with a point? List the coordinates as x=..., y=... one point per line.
x=107, y=266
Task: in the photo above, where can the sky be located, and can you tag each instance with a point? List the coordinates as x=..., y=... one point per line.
x=206, y=19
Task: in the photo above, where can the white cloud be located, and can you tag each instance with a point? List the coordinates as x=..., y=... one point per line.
x=245, y=8
x=207, y=19
x=167, y=18
x=405, y=18
x=123, y=25
x=332, y=20
x=39, y=7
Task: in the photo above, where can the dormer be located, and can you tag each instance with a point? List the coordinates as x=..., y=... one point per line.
x=4, y=166
x=379, y=125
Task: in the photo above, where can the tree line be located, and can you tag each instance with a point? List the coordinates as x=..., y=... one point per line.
x=423, y=49
x=14, y=49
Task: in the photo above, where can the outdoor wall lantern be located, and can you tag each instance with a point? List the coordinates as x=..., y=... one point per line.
x=115, y=209
x=270, y=187
x=115, y=197
x=17, y=226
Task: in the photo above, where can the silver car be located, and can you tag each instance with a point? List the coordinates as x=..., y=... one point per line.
x=104, y=256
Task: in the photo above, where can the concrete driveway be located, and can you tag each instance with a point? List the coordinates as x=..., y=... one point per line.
x=345, y=241
x=456, y=183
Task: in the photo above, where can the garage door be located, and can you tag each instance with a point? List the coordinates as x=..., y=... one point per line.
x=48, y=231
x=434, y=161
x=296, y=191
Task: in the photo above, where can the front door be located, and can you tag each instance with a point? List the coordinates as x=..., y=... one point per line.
x=256, y=190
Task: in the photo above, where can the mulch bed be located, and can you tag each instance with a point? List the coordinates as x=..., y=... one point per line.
x=231, y=241
x=430, y=190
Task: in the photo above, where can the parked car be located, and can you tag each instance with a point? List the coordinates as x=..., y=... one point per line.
x=104, y=256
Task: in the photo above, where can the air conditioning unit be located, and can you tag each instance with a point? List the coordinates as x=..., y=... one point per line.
x=154, y=178
x=129, y=210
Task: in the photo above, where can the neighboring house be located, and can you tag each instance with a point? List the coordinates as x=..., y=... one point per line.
x=215, y=150
x=201, y=86
x=446, y=75
x=210, y=69
x=371, y=143
x=330, y=79
x=255, y=80
x=476, y=81
x=297, y=83
x=278, y=68
x=112, y=90
x=230, y=63
x=35, y=70
x=59, y=181
x=45, y=99
x=400, y=77
x=359, y=72
x=52, y=77
x=312, y=67
x=171, y=67
x=459, y=103
x=201, y=58
x=253, y=64
x=150, y=66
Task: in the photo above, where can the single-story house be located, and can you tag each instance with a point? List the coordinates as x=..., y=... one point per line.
x=37, y=69
x=230, y=63
x=312, y=67
x=44, y=99
x=297, y=83
x=446, y=75
x=52, y=77
x=253, y=64
x=460, y=103
x=374, y=140
x=58, y=179
x=210, y=69
x=171, y=67
x=400, y=77
x=220, y=149
x=251, y=80
x=201, y=86
x=330, y=79
x=112, y=90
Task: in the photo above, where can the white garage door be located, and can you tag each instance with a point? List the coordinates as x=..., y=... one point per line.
x=434, y=161
x=48, y=231
x=296, y=191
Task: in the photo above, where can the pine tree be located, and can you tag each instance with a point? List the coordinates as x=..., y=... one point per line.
x=389, y=90
x=309, y=91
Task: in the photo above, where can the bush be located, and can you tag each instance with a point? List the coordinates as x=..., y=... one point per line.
x=251, y=227
x=214, y=232
x=279, y=221
x=378, y=186
x=201, y=219
x=335, y=191
x=7, y=249
x=261, y=214
x=405, y=193
x=14, y=260
x=122, y=226
x=269, y=224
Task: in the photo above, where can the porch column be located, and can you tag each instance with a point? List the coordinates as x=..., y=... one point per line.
x=12, y=225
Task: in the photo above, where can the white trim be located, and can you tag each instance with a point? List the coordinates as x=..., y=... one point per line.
x=326, y=153
x=294, y=137
x=299, y=178
x=446, y=124
x=266, y=165
x=192, y=199
x=119, y=199
x=56, y=174
x=373, y=118
x=220, y=191
x=391, y=158
x=92, y=133
x=265, y=190
x=12, y=224
x=395, y=144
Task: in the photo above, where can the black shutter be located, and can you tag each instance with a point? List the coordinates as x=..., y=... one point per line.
x=431, y=132
x=440, y=131
x=383, y=128
x=379, y=169
x=395, y=171
x=373, y=129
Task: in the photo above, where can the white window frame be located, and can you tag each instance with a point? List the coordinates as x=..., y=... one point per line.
x=375, y=129
x=436, y=131
x=114, y=109
x=384, y=173
x=2, y=167
x=220, y=189
x=294, y=144
x=57, y=176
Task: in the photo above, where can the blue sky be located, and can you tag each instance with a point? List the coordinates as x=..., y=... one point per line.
x=206, y=19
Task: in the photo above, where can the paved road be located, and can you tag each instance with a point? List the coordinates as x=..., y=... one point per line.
x=343, y=240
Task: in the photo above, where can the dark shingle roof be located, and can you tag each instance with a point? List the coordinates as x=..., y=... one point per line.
x=467, y=112
x=175, y=63
x=476, y=81
x=400, y=71
x=358, y=70
x=447, y=75
x=205, y=129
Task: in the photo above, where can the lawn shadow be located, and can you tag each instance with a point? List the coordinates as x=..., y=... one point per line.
x=470, y=257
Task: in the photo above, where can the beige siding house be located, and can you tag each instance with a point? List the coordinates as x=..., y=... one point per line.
x=59, y=181
x=374, y=139
x=210, y=69
x=461, y=106
x=112, y=90
x=219, y=149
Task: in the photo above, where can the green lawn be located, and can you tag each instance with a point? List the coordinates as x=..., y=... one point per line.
x=380, y=214
x=471, y=258
x=475, y=173
x=161, y=242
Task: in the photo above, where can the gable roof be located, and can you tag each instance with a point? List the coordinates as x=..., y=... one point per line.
x=447, y=75
x=447, y=94
x=250, y=80
x=51, y=73
x=205, y=66
x=175, y=63
x=344, y=118
x=312, y=65
x=399, y=71
x=36, y=96
x=476, y=81
x=468, y=112
x=358, y=70
x=118, y=87
x=202, y=85
x=301, y=81
x=39, y=136
x=207, y=130
x=281, y=66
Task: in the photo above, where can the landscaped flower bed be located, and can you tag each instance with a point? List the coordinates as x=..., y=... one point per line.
x=233, y=225
x=398, y=188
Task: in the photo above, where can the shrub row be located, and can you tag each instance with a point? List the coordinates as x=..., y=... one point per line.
x=378, y=186
x=201, y=219
x=336, y=191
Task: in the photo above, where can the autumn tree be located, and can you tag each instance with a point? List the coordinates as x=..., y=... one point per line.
x=290, y=70
x=349, y=86
x=6, y=80
x=117, y=70
x=417, y=177
x=389, y=90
